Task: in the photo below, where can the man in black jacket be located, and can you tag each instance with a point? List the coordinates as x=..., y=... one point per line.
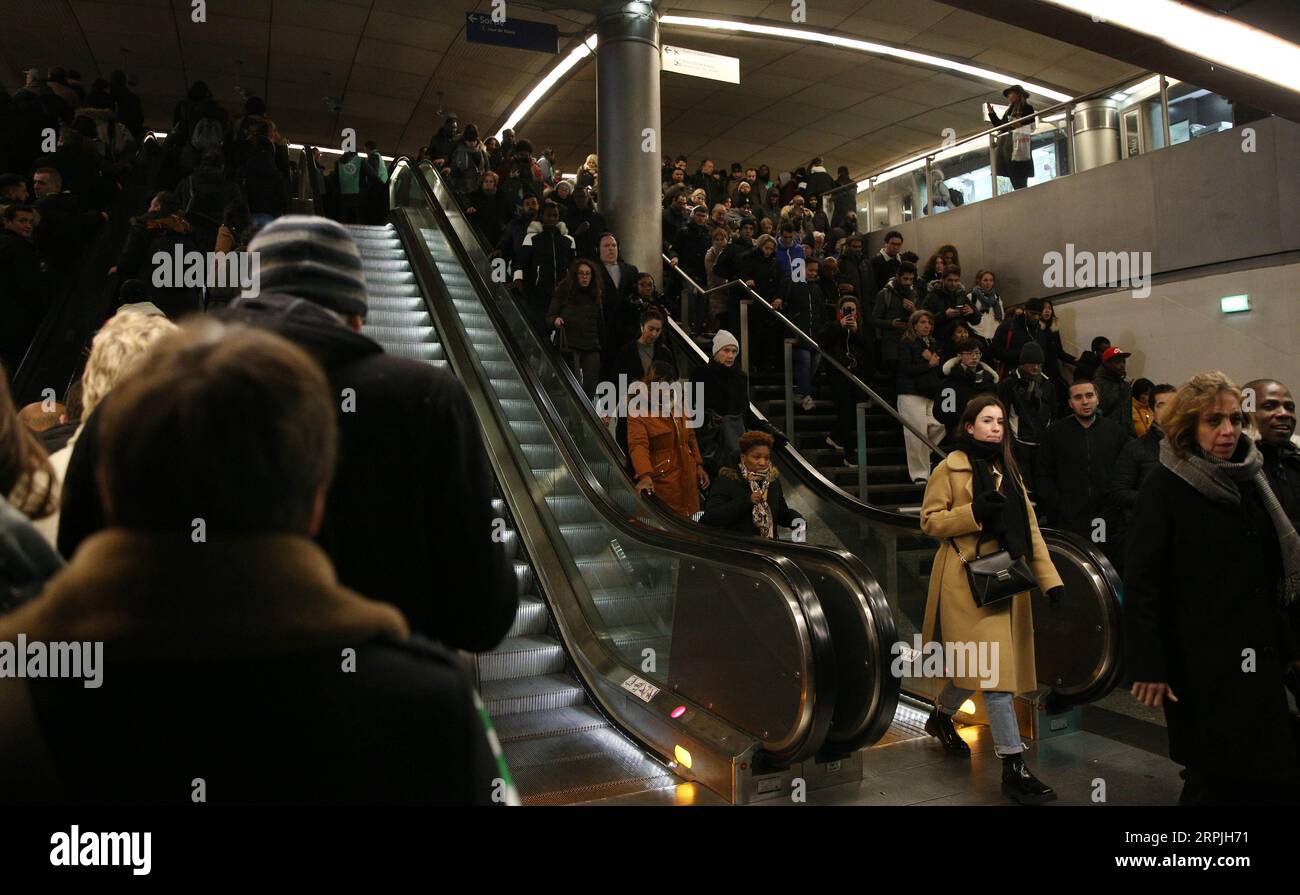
x=238, y=669
x=1275, y=425
x=543, y=260
x=884, y=264
x=1030, y=400
x=65, y=229
x=1076, y=462
x=1114, y=392
x=856, y=271
x=1139, y=457
x=950, y=305
x=488, y=209
x=23, y=295
x=618, y=291
x=411, y=498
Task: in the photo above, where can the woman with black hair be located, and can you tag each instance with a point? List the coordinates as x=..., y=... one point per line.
x=576, y=314
x=747, y=498
x=975, y=502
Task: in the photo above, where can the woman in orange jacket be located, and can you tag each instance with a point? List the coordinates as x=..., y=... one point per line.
x=665, y=454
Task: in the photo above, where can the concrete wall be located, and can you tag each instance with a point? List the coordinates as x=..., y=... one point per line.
x=1195, y=204
x=1179, y=329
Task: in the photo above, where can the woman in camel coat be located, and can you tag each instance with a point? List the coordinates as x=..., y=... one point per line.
x=664, y=451
x=977, y=493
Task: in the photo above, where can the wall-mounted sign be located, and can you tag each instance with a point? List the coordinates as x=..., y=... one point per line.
x=701, y=65
x=519, y=34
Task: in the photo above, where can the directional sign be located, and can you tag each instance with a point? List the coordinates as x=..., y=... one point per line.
x=520, y=34
x=701, y=65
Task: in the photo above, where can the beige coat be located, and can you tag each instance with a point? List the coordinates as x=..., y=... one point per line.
x=950, y=611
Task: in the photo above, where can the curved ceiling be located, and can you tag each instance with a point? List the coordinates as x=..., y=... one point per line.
x=393, y=68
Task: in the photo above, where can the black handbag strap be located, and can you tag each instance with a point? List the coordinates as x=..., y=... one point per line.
x=957, y=549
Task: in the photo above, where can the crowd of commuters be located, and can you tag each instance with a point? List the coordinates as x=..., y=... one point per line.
x=310, y=510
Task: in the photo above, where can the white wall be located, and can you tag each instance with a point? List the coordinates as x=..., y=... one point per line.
x=1179, y=330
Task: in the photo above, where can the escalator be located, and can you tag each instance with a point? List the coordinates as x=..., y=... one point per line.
x=609, y=681
x=558, y=747
x=1077, y=644
x=853, y=602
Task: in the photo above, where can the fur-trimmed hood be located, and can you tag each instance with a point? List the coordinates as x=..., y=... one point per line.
x=952, y=362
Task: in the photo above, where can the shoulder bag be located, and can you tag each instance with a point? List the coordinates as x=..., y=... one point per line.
x=995, y=577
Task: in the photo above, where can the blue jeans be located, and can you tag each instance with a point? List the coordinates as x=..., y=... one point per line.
x=1002, y=716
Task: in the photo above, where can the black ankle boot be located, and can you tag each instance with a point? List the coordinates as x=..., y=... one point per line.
x=1020, y=785
x=939, y=725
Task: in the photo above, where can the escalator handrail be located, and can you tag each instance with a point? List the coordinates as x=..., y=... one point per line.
x=826, y=358
x=802, y=601
x=825, y=489
x=818, y=561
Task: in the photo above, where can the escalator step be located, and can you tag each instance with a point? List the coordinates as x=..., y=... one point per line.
x=511, y=728
x=531, y=618
x=387, y=318
x=387, y=334
x=426, y=351
x=395, y=303
x=595, y=772
x=523, y=577
x=532, y=694
x=521, y=657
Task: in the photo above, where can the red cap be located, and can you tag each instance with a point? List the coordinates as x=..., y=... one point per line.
x=1113, y=352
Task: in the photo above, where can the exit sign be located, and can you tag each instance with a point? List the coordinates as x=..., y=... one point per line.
x=1234, y=304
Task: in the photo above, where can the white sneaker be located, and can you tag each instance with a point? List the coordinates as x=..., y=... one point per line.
x=808, y=402
x=830, y=443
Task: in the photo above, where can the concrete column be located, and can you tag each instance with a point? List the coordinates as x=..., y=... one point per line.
x=627, y=106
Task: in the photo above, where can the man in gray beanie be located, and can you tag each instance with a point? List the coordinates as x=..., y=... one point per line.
x=1030, y=399
x=411, y=501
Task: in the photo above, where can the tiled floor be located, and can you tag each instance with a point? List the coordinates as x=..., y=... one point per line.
x=1084, y=768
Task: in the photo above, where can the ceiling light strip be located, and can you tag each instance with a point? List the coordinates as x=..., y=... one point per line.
x=1215, y=38
x=862, y=46
x=588, y=48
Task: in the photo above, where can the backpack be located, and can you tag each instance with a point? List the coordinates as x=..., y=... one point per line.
x=207, y=134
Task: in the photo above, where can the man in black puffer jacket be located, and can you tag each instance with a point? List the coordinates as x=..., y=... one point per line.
x=410, y=505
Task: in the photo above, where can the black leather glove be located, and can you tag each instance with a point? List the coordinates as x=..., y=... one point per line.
x=1054, y=596
x=988, y=506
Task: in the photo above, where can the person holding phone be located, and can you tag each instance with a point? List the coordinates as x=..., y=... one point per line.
x=848, y=341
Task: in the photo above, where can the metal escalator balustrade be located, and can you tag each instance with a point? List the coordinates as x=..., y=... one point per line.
x=852, y=601
x=558, y=747
x=1078, y=649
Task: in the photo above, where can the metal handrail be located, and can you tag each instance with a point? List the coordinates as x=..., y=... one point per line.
x=826, y=358
x=787, y=577
x=997, y=128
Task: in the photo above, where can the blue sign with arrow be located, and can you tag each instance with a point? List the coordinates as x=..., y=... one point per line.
x=519, y=34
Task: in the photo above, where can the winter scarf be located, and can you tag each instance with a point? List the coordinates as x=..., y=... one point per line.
x=1220, y=481
x=762, y=512
x=987, y=301
x=1012, y=526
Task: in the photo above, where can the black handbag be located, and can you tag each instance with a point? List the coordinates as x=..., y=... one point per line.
x=995, y=577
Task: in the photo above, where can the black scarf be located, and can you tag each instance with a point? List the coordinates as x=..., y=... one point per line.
x=1012, y=527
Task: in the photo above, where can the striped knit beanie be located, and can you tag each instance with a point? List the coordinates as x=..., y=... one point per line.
x=314, y=258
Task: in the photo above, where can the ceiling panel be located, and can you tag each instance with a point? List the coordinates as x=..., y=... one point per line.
x=401, y=65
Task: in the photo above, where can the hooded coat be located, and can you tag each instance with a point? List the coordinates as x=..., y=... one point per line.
x=664, y=447
x=951, y=615
x=729, y=505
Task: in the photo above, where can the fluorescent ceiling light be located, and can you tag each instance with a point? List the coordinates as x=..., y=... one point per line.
x=863, y=46
x=1212, y=37
x=588, y=47
x=576, y=55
